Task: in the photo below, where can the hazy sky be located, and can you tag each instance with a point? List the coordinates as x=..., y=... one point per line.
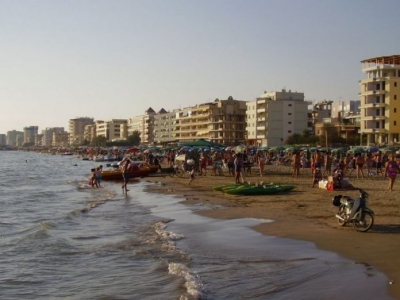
x=114, y=59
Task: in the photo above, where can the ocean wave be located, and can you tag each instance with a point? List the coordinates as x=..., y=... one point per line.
x=193, y=283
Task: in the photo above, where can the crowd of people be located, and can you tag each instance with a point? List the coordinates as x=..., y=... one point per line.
x=318, y=164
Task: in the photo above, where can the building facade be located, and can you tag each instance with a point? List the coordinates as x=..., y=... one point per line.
x=274, y=116
x=380, y=100
x=77, y=129
x=48, y=133
x=3, y=139
x=112, y=130
x=30, y=133
x=144, y=124
x=15, y=138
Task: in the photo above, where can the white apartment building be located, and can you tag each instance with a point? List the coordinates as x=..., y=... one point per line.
x=380, y=99
x=112, y=130
x=15, y=138
x=77, y=129
x=47, y=135
x=144, y=125
x=164, y=126
x=274, y=116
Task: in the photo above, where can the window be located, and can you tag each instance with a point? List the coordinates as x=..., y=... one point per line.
x=395, y=110
x=290, y=105
x=395, y=97
x=289, y=114
x=395, y=84
x=289, y=122
x=289, y=131
x=394, y=123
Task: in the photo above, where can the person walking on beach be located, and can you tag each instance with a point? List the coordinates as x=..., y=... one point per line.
x=295, y=162
x=261, y=162
x=125, y=175
x=238, y=162
x=328, y=164
x=191, y=175
x=391, y=171
x=360, y=165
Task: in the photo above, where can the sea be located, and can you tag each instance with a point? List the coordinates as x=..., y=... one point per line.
x=62, y=239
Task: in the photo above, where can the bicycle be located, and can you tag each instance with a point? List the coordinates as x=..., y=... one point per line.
x=172, y=171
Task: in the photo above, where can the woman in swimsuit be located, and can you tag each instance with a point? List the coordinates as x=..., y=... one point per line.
x=392, y=168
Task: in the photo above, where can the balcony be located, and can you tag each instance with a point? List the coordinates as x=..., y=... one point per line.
x=261, y=110
x=374, y=130
x=262, y=127
x=261, y=136
x=372, y=105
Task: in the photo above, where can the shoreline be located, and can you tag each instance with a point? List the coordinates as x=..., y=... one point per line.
x=304, y=214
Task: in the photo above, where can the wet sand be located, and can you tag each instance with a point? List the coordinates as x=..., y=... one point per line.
x=305, y=213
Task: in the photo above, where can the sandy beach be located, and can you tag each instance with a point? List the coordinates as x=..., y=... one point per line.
x=305, y=214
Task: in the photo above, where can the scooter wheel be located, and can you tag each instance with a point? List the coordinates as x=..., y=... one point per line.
x=365, y=224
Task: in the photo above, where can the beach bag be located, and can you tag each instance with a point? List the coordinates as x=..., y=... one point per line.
x=330, y=186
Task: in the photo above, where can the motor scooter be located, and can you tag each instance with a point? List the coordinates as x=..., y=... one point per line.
x=355, y=211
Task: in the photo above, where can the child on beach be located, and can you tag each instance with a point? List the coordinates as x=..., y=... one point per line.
x=93, y=179
x=317, y=176
x=99, y=176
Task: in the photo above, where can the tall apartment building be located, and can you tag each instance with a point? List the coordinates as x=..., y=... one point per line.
x=164, y=125
x=60, y=139
x=380, y=99
x=15, y=138
x=47, y=139
x=274, y=116
x=144, y=125
x=220, y=121
x=77, y=129
x=112, y=130
x=89, y=132
x=3, y=139
x=29, y=134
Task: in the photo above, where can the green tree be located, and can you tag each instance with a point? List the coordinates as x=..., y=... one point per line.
x=134, y=139
x=99, y=141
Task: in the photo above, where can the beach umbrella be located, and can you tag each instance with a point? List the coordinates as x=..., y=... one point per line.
x=240, y=148
x=201, y=143
x=278, y=148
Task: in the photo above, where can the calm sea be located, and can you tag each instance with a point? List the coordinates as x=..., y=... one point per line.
x=62, y=239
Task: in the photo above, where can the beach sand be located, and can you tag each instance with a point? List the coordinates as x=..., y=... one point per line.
x=305, y=213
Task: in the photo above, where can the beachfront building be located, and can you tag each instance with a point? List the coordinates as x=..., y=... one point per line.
x=220, y=121
x=60, y=139
x=112, y=130
x=164, y=126
x=380, y=100
x=274, y=116
x=30, y=133
x=15, y=138
x=89, y=132
x=144, y=125
x=77, y=129
x=47, y=135
x=3, y=139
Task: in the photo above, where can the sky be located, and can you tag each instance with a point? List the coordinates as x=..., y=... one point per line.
x=114, y=59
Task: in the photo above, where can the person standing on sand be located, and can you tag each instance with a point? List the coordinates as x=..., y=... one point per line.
x=238, y=162
x=328, y=164
x=391, y=171
x=295, y=162
x=125, y=175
